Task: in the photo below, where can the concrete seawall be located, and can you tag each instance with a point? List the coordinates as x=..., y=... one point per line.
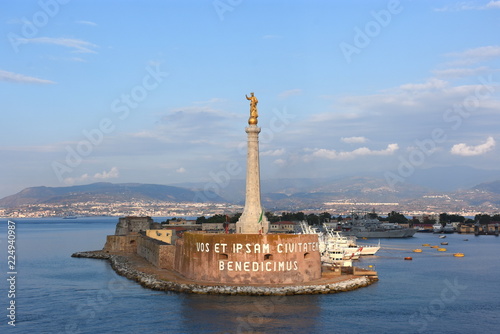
x=132, y=267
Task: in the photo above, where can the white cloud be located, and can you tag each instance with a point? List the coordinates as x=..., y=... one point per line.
x=463, y=5
x=181, y=170
x=326, y=117
x=273, y=153
x=291, y=92
x=469, y=150
x=362, y=151
x=88, y=23
x=354, y=140
x=431, y=84
x=21, y=78
x=493, y=4
x=475, y=55
x=77, y=45
x=213, y=100
x=280, y=162
x=461, y=72
x=111, y=174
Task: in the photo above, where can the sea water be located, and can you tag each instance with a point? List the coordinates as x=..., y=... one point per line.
x=433, y=293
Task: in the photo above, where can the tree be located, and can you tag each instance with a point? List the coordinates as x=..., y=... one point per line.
x=325, y=216
x=443, y=218
x=372, y=215
x=201, y=220
x=482, y=219
x=299, y=216
x=396, y=217
x=234, y=218
x=312, y=219
x=217, y=219
x=286, y=216
x=272, y=218
x=456, y=218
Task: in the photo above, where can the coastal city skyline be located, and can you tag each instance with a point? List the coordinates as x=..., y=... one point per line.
x=155, y=92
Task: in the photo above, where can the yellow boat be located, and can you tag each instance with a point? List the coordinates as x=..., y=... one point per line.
x=418, y=250
x=459, y=255
x=426, y=245
x=441, y=249
x=434, y=246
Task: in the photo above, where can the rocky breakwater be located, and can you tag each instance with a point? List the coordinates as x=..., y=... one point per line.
x=123, y=266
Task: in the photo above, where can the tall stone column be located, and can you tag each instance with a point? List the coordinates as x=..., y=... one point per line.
x=253, y=219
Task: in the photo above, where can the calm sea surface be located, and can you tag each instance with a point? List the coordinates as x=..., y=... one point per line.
x=434, y=293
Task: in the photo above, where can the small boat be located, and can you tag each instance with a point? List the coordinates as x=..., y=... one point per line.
x=444, y=243
x=434, y=246
x=448, y=228
x=426, y=245
x=418, y=250
x=442, y=236
x=458, y=255
x=465, y=240
x=408, y=258
x=437, y=228
x=441, y=249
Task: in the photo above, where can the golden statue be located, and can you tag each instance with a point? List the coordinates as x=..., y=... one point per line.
x=253, y=109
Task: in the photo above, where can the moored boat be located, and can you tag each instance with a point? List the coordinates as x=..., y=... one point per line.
x=437, y=228
x=362, y=225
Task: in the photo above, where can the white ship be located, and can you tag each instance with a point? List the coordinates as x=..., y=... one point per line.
x=448, y=228
x=437, y=228
x=349, y=242
x=337, y=249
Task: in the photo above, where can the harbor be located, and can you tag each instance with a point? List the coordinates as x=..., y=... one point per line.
x=409, y=292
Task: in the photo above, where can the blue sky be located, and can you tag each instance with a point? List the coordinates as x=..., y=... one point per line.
x=154, y=91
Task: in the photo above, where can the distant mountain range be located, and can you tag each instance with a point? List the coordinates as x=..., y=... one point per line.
x=276, y=193
x=493, y=187
x=103, y=192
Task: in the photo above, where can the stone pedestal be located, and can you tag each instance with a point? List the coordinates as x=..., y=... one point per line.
x=248, y=258
x=253, y=219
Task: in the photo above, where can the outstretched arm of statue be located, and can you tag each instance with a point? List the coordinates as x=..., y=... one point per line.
x=248, y=98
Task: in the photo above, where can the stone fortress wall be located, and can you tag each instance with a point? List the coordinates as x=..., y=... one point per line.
x=248, y=258
x=158, y=253
x=224, y=258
